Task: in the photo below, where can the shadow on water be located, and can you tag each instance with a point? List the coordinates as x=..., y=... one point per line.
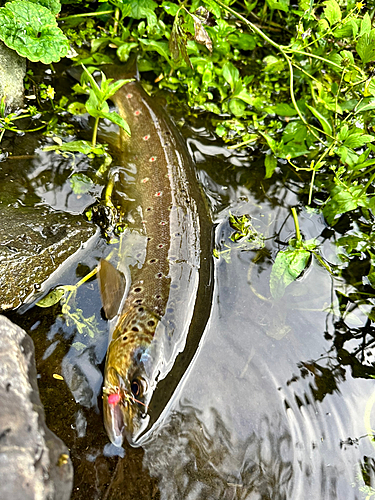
x=278, y=400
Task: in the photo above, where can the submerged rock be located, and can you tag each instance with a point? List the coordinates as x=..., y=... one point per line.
x=34, y=462
x=34, y=242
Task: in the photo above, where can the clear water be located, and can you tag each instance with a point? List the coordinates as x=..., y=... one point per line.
x=278, y=401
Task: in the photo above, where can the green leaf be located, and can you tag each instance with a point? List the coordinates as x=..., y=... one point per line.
x=282, y=109
x=231, y=74
x=288, y=265
x=54, y=296
x=79, y=346
x=141, y=9
x=237, y=107
x=116, y=118
x=160, y=47
x=83, y=147
x=270, y=163
x=31, y=30
x=278, y=5
x=365, y=25
x=332, y=12
x=366, y=47
x=343, y=199
x=77, y=108
x=357, y=140
x=53, y=5
x=322, y=119
x=123, y=52
x=80, y=183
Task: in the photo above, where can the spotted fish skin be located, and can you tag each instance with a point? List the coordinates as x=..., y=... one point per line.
x=172, y=216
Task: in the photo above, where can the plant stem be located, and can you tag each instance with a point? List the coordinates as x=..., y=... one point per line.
x=296, y=225
x=95, y=132
x=87, y=14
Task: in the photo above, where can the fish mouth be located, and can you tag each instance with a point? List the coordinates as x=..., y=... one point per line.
x=114, y=422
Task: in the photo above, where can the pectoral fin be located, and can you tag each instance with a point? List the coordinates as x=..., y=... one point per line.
x=112, y=288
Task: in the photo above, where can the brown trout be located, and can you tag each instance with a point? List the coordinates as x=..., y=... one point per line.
x=167, y=293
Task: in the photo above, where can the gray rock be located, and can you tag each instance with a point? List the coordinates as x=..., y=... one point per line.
x=34, y=242
x=34, y=462
x=12, y=73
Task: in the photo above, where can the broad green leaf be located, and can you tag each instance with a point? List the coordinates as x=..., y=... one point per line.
x=322, y=119
x=54, y=296
x=288, y=265
x=365, y=25
x=53, y=5
x=295, y=131
x=160, y=47
x=123, y=52
x=170, y=8
x=270, y=163
x=282, y=109
x=343, y=133
x=365, y=107
x=332, y=12
x=142, y=8
x=80, y=183
x=114, y=87
x=278, y=5
x=343, y=199
x=77, y=108
x=31, y=30
x=231, y=74
x=244, y=96
x=237, y=107
x=357, y=140
x=83, y=147
x=116, y=118
x=366, y=47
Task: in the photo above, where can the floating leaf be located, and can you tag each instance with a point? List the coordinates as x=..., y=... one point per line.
x=52, y=298
x=288, y=265
x=270, y=163
x=31, y=30
x=80, y=183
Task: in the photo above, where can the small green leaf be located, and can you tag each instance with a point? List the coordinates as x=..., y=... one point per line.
x=53, y=5
x=80, y=183
x=332, y=11
x=79, y=346
x=288, y=265
x=366, y=47
x=322, y=119
x=357, y=140
x=31, y=30
x=123, y=52
x=54, y=296
x=365, y=25
x=77, y=108
x=270, y=163
x=231, y=74
x=116, y=118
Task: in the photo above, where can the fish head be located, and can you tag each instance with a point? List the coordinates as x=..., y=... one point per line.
x=127, y=388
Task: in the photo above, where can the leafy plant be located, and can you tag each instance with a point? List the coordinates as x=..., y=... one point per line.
x=31, y=30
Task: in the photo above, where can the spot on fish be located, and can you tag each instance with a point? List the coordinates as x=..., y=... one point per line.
x=151, y=323
x=135, y=329
x=153, y=158
x=138, y=289
x=170, y=310
x=174, y=286
x=141, y=309
x=146, y=137
x=113, y=399
x=158, y=297
x=148, y=209
x=162, y=223
x=138, y=301
x=146, y=179
x=177, y=235
x=149, y=238
x=161, y=245
x=158, y=193
x=129, y=96
x=152, y=261
x=137, y=112
x=159, y=275
x=124, y=338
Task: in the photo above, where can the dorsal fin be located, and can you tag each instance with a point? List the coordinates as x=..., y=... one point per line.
x=112, y=288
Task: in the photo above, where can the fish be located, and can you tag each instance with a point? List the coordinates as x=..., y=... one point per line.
x=158, y=307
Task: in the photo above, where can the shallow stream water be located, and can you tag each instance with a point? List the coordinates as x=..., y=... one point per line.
x=278, y=400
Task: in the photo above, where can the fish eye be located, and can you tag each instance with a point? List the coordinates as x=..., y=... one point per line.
x=135, y=387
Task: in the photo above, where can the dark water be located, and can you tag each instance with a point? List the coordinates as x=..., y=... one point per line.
x=278, y=401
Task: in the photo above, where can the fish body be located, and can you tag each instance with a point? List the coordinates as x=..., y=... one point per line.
x=154, y=309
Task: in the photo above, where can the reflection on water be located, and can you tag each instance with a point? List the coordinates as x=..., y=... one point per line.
x=278, y=400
